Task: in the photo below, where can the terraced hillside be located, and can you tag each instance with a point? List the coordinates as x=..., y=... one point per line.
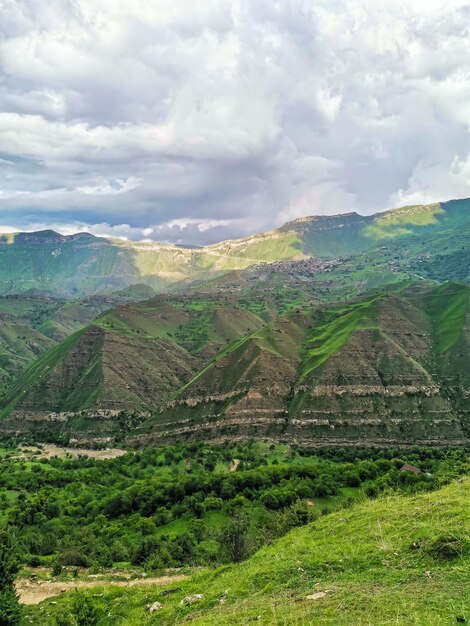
x=391, y=367
x=413, y=241
x=130, y=360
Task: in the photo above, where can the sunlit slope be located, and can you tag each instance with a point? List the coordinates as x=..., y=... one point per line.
x=401, y=560
x=420, y=237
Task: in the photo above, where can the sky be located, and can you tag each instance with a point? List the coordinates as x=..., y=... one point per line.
x=193, y=122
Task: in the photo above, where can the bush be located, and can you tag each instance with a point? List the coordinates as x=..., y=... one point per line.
x=56, y=569
x=213, y=504
x=80, y=611
x=34, y=561
x=74, y=557
x=10, y=610
x=160, y=560
x=234, y=539
x=352, y=480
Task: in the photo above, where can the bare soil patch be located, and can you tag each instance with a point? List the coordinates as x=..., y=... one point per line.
x=48, y=450
x=234, y=465
x=35, y=591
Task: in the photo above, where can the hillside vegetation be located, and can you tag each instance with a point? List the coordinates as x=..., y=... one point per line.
x=394, y=560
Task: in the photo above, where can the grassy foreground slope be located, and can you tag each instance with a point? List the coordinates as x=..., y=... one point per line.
x=394, y=560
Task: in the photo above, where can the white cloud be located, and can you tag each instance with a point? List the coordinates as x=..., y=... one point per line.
x=221, y=117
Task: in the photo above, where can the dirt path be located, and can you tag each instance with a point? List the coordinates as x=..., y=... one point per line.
x=35, y=591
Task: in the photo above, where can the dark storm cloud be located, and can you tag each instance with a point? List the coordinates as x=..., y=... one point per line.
x=194, y=122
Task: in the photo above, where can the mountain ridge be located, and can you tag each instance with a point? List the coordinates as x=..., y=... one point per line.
x=84, y=264
x=294, y=221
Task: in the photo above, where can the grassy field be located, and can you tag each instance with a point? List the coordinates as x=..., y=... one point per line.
x=395, y=560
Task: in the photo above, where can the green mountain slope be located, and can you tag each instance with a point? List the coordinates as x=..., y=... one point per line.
x=126, y=363
x=388, y=368
x=32, y=324
x=395, y=560
x=412, y=241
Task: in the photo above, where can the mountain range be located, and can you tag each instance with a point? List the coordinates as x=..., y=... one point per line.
x=412, y=239
x=338, y=330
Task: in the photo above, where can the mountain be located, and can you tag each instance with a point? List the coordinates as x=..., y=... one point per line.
x=388, y=368
x=31, y=324
x=411, y=241
x=129, y=360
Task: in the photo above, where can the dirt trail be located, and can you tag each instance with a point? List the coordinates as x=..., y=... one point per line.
x=35, y=591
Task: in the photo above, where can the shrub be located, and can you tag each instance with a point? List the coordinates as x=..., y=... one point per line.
x=234, y=539
x=80, y=611
x=74, y=557
x=10, y=610
x=56, y=569
x=213, y=503
x=352, y=480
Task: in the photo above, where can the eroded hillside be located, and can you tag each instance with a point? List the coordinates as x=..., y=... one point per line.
x=391, y=367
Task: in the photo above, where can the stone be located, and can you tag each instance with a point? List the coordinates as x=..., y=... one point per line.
x=317, y=596
x=196, y=597
x=153, y=608
x=167, y=592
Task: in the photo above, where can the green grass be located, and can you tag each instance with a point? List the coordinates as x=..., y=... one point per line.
x=449, y=306
x=330, y=336
x=400, y=222
x=378, y=563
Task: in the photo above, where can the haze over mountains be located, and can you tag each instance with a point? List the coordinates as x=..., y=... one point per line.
x=343, y=329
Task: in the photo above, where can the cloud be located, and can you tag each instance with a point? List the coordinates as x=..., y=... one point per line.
x=193, y=122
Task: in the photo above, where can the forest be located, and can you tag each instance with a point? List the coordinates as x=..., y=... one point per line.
x=193, y=504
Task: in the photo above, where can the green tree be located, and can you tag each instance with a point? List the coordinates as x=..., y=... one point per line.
x=10, y=610
x=235, y=540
